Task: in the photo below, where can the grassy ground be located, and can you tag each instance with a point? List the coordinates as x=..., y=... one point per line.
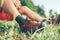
x=9, y=31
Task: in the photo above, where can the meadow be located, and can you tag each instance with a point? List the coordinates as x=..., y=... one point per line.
x=9, y=30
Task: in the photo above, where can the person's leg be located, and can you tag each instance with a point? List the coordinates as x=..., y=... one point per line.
x=24, y=9
x=31, y=14
x=9, y=6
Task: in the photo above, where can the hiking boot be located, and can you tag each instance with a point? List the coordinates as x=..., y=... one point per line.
x=31, y=26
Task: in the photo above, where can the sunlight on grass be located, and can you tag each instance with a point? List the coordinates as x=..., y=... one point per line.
x=11, y=32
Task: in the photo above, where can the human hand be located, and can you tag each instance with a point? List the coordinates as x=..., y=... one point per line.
x=17, y=3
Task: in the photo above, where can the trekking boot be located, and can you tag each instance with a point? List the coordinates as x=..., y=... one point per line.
x=31, y=26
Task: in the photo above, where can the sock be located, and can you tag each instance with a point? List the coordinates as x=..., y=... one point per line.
x=20, y=20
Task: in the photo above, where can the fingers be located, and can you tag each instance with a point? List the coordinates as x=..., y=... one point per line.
x=17, y=3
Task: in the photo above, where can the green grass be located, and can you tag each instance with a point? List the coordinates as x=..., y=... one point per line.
x=9, y=31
